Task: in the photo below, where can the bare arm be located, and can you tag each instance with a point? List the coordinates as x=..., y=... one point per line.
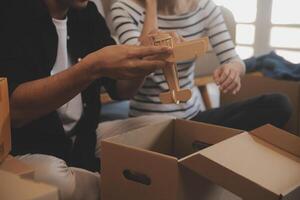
x=128, y=88
x=227, y=76
x=34, y=99
x=150, y=23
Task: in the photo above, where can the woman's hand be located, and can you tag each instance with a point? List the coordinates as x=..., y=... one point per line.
x=227, y=77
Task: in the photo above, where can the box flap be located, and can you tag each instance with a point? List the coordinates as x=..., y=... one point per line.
x=279, y=138
x=192, y=136
x=12, y=187
x=12, y=165
x=247, y=166
x=5, y=135
x=155, y=137
x=292, y=195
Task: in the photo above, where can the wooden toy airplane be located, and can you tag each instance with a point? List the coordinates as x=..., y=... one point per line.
x=183, y=51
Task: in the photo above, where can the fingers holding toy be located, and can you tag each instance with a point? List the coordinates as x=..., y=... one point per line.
x=149, y=40
x=176, y=37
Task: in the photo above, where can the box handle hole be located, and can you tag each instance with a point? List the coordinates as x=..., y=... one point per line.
x=197, y=145
x=137, y=177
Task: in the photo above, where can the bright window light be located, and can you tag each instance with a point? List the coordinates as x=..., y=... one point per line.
x=292, y=56
x=245, y=52
x=243, y=11
x=285, y=37
x=245, y=34
x=286, y=12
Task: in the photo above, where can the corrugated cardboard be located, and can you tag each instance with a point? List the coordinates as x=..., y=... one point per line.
x=12, y=165
x=256, y=85
x=144, y=164
x=175, y=159
x=8, y=163
x=12, y=187
x=262, y=165
x=5, y=138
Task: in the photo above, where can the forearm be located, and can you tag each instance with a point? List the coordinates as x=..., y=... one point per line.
x=33, y=99
x=239, y=64
x=150, y=23
x=128, y=33
x=128, y=88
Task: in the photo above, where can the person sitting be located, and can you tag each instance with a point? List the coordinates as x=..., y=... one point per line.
x=133, y=20
x=57, y=55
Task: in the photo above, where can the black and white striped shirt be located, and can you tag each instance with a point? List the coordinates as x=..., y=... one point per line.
x=206, y=20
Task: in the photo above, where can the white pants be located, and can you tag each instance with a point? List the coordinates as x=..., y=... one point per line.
x=74, y=183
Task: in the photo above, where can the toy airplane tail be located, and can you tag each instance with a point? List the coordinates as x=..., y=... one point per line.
x=173, y=96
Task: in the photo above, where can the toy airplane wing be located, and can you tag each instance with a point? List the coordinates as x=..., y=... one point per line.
x=189, y=50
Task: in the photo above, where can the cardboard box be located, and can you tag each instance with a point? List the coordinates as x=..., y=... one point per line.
x=5, y=135
x=8, y=163
x=257, y=85
x=12, y=187
x=12, y=165
x=167, y=161
x=145, y=163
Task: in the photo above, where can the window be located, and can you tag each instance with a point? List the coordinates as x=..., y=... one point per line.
x=292, y=56
x=244, y=51
x=245, y=34
x=243, y=11
x=245, y=15
x=284, y=37
x=285, y=32
x=266, y=25
x=286, y=12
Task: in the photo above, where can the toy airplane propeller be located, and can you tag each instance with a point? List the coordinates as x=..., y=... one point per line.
x=183, y=51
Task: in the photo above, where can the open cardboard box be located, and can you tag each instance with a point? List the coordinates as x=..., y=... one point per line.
x=12, y=171
x=168, y=160
x=12, y=187
x=257, y=85
x=145, y=163
x=13, y=165
x=5, y=135
x=8, y=163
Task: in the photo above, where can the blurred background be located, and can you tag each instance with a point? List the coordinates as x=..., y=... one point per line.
x=265, y=25
x=262, y=26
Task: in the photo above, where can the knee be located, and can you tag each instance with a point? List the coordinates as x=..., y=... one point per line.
x=55, y=171
x=281, y=106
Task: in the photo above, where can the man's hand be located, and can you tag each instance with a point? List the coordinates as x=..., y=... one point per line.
x=124, y=62
x=227, y=77
x=148, y=40
x=177, y=38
